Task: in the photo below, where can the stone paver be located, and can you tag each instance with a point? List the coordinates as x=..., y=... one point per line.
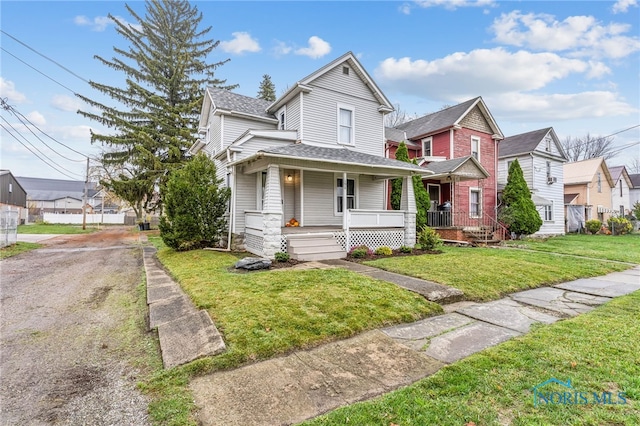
x=418, y=334
x=462, y=342
x=554, y=299
x=508, y=313
x=606, y=286
x=304, y=384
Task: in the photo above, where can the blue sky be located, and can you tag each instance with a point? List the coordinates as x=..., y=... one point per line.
x=573, y=65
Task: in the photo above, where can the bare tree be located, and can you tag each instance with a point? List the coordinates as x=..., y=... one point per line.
x=633, y=166
x=398, y=117
x=586, y=147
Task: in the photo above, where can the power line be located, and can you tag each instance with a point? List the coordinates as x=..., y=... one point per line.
x=37, y=70
x=30, y=150
x=45, y=56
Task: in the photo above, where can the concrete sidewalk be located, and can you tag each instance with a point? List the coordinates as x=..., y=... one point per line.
x=306, y=384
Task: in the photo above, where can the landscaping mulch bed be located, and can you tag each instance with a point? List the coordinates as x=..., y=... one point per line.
x=396, y=253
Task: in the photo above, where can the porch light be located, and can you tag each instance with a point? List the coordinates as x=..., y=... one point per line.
x=289, y=178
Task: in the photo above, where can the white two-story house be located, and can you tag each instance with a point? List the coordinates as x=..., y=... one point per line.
x=620, y=196
x=307, y=172
x=541, y=158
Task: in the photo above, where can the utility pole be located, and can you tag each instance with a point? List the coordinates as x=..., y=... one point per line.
x=84, y=202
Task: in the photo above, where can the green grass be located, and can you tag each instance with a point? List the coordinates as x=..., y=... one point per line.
x=263, y=314
x=17, y=248
x=46, y=228
x=597, y=351
x=488, y=273
x=623, y=248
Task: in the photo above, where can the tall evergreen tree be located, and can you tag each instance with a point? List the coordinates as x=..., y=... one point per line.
x=518, y=211
x=420, y=192
x=156, y=117
x=267, y=90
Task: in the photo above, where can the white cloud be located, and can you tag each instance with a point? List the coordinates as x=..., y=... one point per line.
x=100, y=23
x=8, y=90
x=81, y=132
x=36, y=118
x=597, y=70
x=317, y=48
x=555, y=107
x=281, y=48
x=66, y=103
x=405, y=8
x=622, y=6
x=455, y=4
x=461, y=76
x=241, y=42
x=577, y=35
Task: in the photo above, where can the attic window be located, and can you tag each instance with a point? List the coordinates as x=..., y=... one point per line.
x=345, y=70
x=547, y=144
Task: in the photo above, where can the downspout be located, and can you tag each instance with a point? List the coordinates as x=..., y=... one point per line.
x=231, y=212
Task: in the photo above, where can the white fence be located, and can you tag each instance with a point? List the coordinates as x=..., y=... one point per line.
x=8, y=227
x=92, y=219
x=375, y=218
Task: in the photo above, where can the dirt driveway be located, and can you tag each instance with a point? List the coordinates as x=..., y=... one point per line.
x=63, y=312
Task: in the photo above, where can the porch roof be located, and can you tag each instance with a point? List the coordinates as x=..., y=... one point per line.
x=342, y=156
x=540, y=201
x=464, y=168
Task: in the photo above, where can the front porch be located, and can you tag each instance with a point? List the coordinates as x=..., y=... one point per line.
x=461, y=226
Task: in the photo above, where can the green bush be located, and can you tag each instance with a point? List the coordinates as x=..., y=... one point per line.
x=429, y=239
x=593, y=225
x=619, y=225
x=405, y=249
x=518, y=211
x=282, y=257
x=358, y=253
x=384, y=251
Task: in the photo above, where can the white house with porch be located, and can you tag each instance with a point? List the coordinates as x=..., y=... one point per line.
x=308, y=172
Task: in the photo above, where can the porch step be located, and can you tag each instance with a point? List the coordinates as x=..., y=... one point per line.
x=308, y=247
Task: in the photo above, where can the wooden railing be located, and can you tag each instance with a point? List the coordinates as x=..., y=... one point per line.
x=485, y=226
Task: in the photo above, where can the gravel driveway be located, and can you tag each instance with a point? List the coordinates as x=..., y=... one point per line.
x=62, y=358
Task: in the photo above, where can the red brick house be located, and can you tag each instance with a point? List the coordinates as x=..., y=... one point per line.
x=460, y=145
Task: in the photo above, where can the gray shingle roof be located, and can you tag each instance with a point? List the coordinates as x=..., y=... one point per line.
x=522, y=143
x=635, y=180
x=54, y=189
x=227, y=100
x=395, y=135
x=616, y=172
x=436, y=121
x=446, y=166
x=340, y=155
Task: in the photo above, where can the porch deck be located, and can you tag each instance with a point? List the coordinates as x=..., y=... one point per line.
x=290, y=230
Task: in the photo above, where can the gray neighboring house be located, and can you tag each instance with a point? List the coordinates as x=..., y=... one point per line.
x=55, y=195
x=13, y=195
x=541, y=157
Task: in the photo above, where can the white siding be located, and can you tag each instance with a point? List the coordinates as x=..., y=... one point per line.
x=616, y=199
x=293, y=115
x=371, y=193
x=525, y=165
x=553, y=192
x=245, y=198
x=321, y=111
x=256, y=144
x=236, y=126
x=319, y=199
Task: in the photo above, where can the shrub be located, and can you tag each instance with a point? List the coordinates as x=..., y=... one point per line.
x=359, y=252
x=429, y=238
x=384, y=251
x=405, y=249
x=417, y=246
x=620, y=225
x=593, y=225
x=518, y=212
x=282, y=257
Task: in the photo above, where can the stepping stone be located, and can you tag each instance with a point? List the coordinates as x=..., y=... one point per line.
x=189, y=338
x=507, y=313
x=169, y=310
x=462, y=342
x=427, y=327
x=603, y=286
x=554, y=299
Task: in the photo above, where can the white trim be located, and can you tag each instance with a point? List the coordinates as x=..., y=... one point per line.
x=301, y=197
x=480, y=206
x=282, y=112
x=356, y=184
x=352, y=135
x=473, y=139
x=221, y=133
x=423, y=142
x=301, y=124
x=451, y=134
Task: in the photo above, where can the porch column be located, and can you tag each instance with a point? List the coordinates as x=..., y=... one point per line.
x=272, y=213
x=408, y=204
x=345, y=213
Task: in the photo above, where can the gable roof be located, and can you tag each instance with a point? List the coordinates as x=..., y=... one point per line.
x=446, y=119
x=618, y=172
x=228, y=101
x=635, y=180
x=449, y=167
x=524, y=143
x=583, y=171
x=349, y=57
x=54, y=189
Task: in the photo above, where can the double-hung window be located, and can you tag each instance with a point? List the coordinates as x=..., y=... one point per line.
x=475, y=202
x=548, y=213
x=345, y=125
x=350, y=194
x=475, y=147
x=427, y=144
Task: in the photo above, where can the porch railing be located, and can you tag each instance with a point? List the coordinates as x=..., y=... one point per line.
x=253, y=220
x=481, y=224
x=375, y=218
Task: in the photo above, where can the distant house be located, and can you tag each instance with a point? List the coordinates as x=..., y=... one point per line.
x=620, y=197
x=12, y=195
x=459, y=145
x=55, y=195
x=541, y=158
x=587, y=192
x=634, y=190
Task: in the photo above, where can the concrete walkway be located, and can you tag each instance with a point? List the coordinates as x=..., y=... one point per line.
x=305, y=384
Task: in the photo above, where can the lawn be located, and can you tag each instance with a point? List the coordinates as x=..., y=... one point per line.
x=489, y=273
x=597, y=351
x=47, y=228
x=263, y=314
x=623, y=248
x=17, y=248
